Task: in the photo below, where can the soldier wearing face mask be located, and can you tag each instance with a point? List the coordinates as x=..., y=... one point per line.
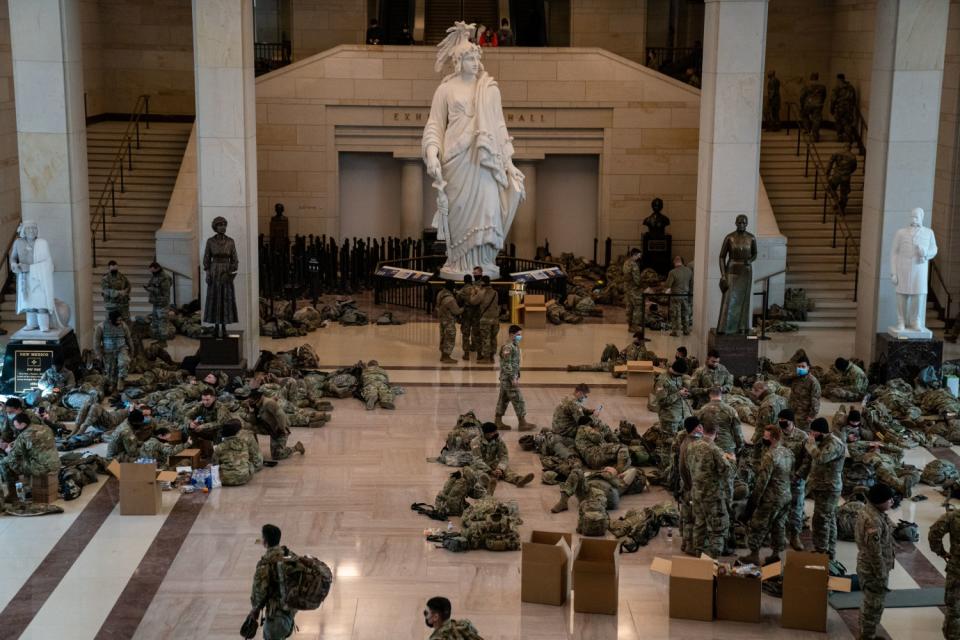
x=771, y=497
x=567, y=415
x=712, y=374
x=804, y=395
x=825, y=464
x=794, y=440
x=510, y=383
x=115, y=289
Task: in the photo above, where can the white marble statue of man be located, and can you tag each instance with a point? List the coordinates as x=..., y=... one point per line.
x=30, y=259
x=469, y=155
x=913, y=248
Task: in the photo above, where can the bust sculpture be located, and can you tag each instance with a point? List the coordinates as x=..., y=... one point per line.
x=913, y=248
x=737, y=254
x=469, y=155
x=220, y=262
x=30, y=259
x=656, y=223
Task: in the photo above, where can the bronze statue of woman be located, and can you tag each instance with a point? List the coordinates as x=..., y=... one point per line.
x=220, y=262
x=737, y=254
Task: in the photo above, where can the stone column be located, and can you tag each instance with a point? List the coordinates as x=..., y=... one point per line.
x=411, y=198
x=227, y=145
x=903, y=124
x=52, y=143
x=728, y=173
x=523, y=233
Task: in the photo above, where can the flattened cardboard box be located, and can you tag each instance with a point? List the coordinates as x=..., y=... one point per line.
x=806, y=583
x=738, y=598
x=596, y=577
x=545, y=565
x=691, y=586
x=139, y=487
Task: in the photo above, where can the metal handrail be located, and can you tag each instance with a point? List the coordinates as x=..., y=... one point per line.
x=944, y=310
x=765, y=303
x=98, y=215
x=861, y=131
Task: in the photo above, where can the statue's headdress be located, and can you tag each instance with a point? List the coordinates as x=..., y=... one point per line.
x=23, y=226
x=456, y=44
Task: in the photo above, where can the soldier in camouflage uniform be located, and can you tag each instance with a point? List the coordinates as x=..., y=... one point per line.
x=112, y=344
x=56, y=382
x=613, y=357
x=949, y=524
x=33, y=452
x=115, y=289
x=158, y=447
x=233, y=456
x=269, y=419
x=610, y=482
x=846, y=382
x=598, y=446
x=670, y=399
x=490, y=456
x=470, y=318
x=712, y=374
x=566, y=417
x=125, y=445
x=94, y=414
x=158, y=289
x=840, y=170
x=375, y=387
x=679, y=281
x=843, y=108
x=804, y=395
x=681, y=484
x=724, y=417
x=769, y=406
x=510, y=383
x=812, y=97
x=631, y=289
x=692, y=363
x=265, y=594
x=710, y=470
x=486, y=301
x=795, y=440
x=770, y=497
x=448, y=310
x=825, y=477
x=205, y=420
x=437, y=617
x=875, y=556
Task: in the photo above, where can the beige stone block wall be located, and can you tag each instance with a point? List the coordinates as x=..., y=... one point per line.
x=946, y=193
x=799, y=39
x=321, y=25
x=615, y=25
x=642, y=125
x=9, y=169
x=851, y=49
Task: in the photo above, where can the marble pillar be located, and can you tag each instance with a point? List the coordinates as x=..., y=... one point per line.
x=523, y=233
x=411, y=198
x=902, y=131
x=728, y=174
x=52, y=144
x=227, y=145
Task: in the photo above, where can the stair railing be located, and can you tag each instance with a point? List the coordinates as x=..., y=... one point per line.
x=944, y=304
x=765, y=301
x=123, y=157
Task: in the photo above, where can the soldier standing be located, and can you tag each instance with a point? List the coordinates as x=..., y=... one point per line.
x=490, y=456
x=683, y=484
x=812, y=98
x=631, y=289
x=843, y=107
x=795, y=440
x=769, y=406
x=726, y=420
x=712, y=374
x=949, y=524
x=825, y=462
x=710, y=470
x=33, y=452
x=159, y=290
x=510, y=383
x=875, y=556
x=679, y=284
x=266, y=592
x=670, y=398
x=804, y=395
x=115, y=289
x=448, y=310
x=112, y=343
x=770, y=498
x=840, y=170
x=469, y=318
x=773, y=101
x=488, y=326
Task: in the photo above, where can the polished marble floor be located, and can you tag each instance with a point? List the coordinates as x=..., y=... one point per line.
x=91, y=573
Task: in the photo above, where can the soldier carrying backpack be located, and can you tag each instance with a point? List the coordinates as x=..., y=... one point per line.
x=283, y=584
x=437, y=617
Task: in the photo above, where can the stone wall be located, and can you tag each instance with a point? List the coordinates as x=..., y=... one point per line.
x=641, y=125
x=9, y=169
x=799, y=36
x=615, y=25
x=946, y=194
x=851, y=48
x=132, y=47
x=318, y=26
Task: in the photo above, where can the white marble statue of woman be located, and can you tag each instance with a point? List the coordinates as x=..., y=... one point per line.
x=469, y=155
x=30, y=259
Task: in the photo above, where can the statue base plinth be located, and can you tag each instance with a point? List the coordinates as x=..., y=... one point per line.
x=909, y=334
x=218, y=354
x=31, y=352
x=740, y=354
x=905, y=358
x=454, y=274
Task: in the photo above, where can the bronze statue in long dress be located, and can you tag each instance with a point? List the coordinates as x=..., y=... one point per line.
x=737, y=254
x=220, y=262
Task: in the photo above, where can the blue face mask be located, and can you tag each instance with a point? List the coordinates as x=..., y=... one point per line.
x=517, y=338
x=801, y=371
x=147, y=419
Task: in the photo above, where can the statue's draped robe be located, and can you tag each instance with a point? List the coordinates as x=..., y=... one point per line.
x=35, y=287
x=220, y=261
x=913, y=248
x=475, y=151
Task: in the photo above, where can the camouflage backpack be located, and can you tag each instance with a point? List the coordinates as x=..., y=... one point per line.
x=938, y=472
x=493, y=525
x=638, y=527
x=847, y=519
x=463, y=484
x=593, y=519
x=906, y=532
x=304, y=581
x=857, y=474
x=460, y=437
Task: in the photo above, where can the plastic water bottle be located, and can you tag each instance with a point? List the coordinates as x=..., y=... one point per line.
x=449, y=526
x=670, y=535
x=21, y=492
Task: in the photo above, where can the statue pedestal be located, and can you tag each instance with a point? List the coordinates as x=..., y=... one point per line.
x=739, y=354
x=904, y=358
x=909, y=334
x=658, y=253
x=30, y=353
x=221, y=354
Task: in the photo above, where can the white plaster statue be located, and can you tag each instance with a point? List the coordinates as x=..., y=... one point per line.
x=469, y=155
x=913, y=248
x=30, y=259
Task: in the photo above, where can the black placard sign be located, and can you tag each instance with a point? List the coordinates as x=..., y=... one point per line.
x=28, y=366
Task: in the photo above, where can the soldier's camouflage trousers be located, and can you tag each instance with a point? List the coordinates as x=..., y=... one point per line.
x=123, y=306
x=448, y=337
x=795, y=515
x=812, y=118
x=116, y=364
x=680, y=312
x=769, y=518
x=686, y=523
x=951, y=599
x=841, y=394
x=607, y=454
x=278, y=447
x=665, y=435
x=824, y=522
x=710, y=524
x=604, y=367
x=844, y=121
x=486, y=343
x=874, y=589
x=636, y=305
x=469, y=334
x=158, y=323
x=842, y=187
x=378, y=392
x=510, y=394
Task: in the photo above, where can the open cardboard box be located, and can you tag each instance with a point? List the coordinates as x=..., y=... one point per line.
x=691, y=585
x=186, y=458
x=806, y=583
x=641, y=376
x=596, y=577
x=738, y=597
x=139, y=487
x=545, y=564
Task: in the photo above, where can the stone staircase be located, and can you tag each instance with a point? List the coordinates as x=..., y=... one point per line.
x=140, y=210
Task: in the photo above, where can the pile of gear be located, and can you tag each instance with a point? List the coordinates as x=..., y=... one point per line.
x=279, y=320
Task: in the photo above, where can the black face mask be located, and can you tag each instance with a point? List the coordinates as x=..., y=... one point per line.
x=767, y=443
x=784, y=424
